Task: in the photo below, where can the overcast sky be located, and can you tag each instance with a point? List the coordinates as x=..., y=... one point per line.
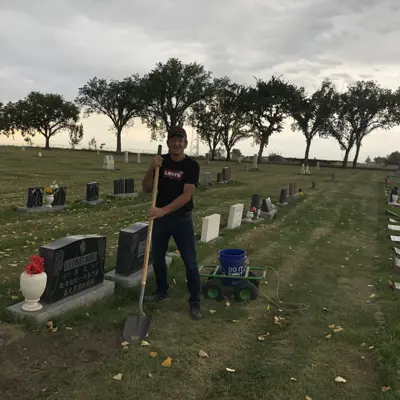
x=58, y=45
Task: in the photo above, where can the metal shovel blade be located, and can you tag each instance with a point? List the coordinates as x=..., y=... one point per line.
x=136, y=327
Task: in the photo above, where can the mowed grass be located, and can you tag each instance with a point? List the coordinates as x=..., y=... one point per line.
x=330, y=250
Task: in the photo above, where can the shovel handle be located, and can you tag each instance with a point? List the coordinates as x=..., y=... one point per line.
x=150, y=229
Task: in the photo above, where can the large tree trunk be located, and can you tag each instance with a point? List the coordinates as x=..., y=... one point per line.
x=263, y=144
x=346, y=157
x=119, y=131
x=47, y=145
x=228, y=154
x=213, y=149
x=355, y=159
x=307, y=153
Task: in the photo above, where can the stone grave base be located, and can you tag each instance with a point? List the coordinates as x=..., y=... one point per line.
x=125, y=195
x=49, y=311
x=40, y=209
x=268, y=215
x=93, y=203
x=254, y=221
x=394, y=204
x=282, y=204
x=292, y=197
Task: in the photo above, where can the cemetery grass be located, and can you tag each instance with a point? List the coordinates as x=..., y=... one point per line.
x=330, y=250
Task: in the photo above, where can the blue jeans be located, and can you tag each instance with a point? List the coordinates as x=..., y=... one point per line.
x=180, y=227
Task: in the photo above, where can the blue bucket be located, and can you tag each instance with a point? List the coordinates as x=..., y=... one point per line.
x=232, y=263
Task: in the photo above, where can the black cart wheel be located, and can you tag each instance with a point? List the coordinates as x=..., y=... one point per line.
x=255, y=282
x=213, y=289
x=245, y=291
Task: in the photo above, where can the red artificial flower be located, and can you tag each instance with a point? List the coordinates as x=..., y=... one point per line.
x=35, y=266
x=253, y=209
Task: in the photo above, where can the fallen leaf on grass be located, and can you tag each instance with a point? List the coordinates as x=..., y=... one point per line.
x=267, y=308
x=385, y=388
x=203, y=354
x=328, y=336
x=230, y=369
x=332, y=326
x=235, y=321
x=167, y=362
x=308, y=398
x=372, y=296
x=338, y=329
x=213, y=311
x=276, y=320
x=50, y=327
x=293, y=379
x=325, y=309
x=261, y=338
x=144, y=343
x=124, y=344
x=117, y=377
x=14, y=297
x=371, y=347
x=150, y=375
x=228, y=304
x=342, y=266
x=363, y=344
x=339, y=379
x=153, y=354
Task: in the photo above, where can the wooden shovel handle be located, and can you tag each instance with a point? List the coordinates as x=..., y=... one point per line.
x=150, y=227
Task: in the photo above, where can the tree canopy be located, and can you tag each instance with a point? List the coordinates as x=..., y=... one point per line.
x=310, y=113
x=46, y=114
x=266, y=108
x=119, y=100
x=169, y=91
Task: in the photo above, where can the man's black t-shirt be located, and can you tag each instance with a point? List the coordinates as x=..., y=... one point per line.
x=173, y=176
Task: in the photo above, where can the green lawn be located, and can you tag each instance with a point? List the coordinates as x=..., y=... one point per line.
x=331, y=251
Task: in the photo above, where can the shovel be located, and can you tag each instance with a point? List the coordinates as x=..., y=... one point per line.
x=137, y=326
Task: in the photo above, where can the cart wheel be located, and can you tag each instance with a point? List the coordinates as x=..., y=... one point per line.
x=213, y=289
x=255, y=282
x=245, y=291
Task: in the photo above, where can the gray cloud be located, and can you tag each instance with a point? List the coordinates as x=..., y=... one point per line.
x=58, y=45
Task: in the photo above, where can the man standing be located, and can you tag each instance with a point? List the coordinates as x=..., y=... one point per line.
x=172, y=215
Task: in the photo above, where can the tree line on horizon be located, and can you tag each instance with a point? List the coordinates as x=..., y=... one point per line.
x=222, y=112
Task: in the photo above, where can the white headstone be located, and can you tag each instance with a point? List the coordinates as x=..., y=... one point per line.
x=210, y=228
x=23, y=148
x=239, y=159
x=207, y=178
x=302, y=171
x=393, y=221
x=98, y=152
x=397, y=251
x=138, y=158
x=126, y=158
x=317, y=165
x=235, y=216
x=394, y=227
x=308, y=170
x=255, y=161
x=40, y=154
x=395, y=238
x=108, y=162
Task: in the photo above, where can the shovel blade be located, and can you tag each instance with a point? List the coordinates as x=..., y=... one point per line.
x=136, y=327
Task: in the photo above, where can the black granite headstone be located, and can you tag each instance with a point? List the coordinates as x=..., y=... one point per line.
x=119, y=186
x=129, y=185
x=131, y=246
x=283, y=196
x=225, y=174
x=219, y=177
x=255, y=201
x=60, y=196
x=73, y=264
x=92, y=191
x=264, y=206
x=35, y=197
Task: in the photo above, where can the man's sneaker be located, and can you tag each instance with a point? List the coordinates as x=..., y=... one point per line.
x=195, y=312
x=155, y=297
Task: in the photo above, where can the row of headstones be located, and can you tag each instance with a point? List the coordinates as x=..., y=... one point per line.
x=36, y=194
x=109, y=163
x=258, y=210
x=222, y=177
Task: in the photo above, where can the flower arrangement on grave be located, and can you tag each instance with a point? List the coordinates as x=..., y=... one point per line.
x=49, y=192
x=33, y=283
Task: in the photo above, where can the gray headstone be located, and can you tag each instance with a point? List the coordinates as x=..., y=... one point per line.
x=73, y=264
x=283, y=196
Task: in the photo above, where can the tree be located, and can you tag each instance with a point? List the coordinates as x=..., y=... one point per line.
x=121, y=101
x=170, y=90
x=311, y=112
x=75, y=135
x=236, y=154
x=339, y=124
x=92, y=143
x=47, y=114
x=370, y=107
x=393, y=158
x=266, y=106
x=7, y=119
x=368, y=160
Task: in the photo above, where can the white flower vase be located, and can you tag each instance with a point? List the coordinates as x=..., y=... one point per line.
x=395, y=198
x=32, y=288
x=48, y=198
x=249, y=215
